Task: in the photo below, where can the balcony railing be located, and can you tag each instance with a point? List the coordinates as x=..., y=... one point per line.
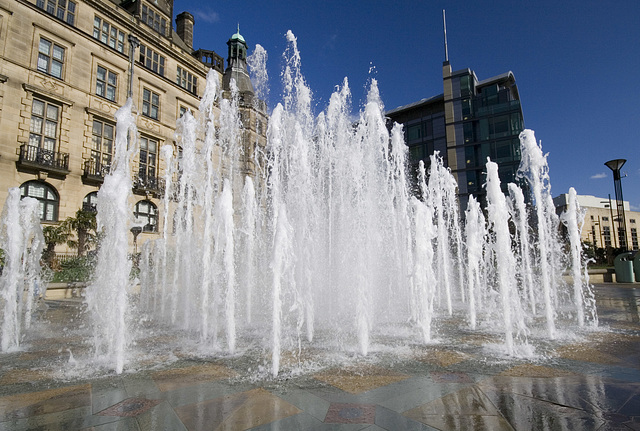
x=43, y=159
x=145, y=184
x=210, y=58
x=94, y=171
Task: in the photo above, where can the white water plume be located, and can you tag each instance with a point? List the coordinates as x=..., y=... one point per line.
x=325, y=248
x=21, y=284
x=573, y=219
x=107, y=296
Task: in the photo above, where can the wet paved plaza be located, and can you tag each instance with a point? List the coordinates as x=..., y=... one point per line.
x=591, y=383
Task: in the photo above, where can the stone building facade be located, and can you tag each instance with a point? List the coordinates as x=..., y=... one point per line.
x=602, y=226
x=65, y=71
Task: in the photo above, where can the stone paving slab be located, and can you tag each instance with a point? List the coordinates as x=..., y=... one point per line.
x=589, y=384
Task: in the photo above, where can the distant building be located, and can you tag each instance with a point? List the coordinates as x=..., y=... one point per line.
x=65, y=70
x=253, y=111
x=601, y=225
x=470, y=121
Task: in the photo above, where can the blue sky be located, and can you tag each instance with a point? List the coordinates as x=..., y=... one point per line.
x=576, y=64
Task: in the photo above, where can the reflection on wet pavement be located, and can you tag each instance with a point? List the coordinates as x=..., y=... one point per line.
x=587, y=381
x=360, y=379
x=180, y=377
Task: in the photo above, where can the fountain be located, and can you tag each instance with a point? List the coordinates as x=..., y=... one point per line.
x=20, y=280
x=325, y=250
x=505, y=265
x=329, y=251
x=107, y=297
x=573, y=219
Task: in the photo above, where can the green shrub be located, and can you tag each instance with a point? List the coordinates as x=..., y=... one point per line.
x=77, y=269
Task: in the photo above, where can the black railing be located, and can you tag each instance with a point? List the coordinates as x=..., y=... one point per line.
x=94, y=170
x=41, y=157
x=148, y=183
x=61, y=258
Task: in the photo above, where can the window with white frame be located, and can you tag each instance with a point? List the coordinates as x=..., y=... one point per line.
x=146, y=212
x=151, y=60
x=148, y=160
x=154, y=20
x=106, y=84
x=62, y=9
x=90, y=202
x=46, y=196
x=43, y=129
x=150, y=103
x=50, y=58
x=108, y=34
x=102, y=134
x=187, y=80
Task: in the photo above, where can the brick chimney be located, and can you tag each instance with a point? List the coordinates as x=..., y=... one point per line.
x=184, y=28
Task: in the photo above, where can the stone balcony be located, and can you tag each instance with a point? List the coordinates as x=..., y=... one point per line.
x=38, y=159
x=94, y=172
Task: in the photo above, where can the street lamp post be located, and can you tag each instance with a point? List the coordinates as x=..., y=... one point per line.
x=607, y=204
x=615, y=165
x=133, y=44
x=136, y=230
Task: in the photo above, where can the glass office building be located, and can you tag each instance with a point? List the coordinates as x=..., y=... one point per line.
x=470, y=121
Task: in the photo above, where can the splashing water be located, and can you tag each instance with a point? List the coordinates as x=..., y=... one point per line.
x=573, y=219
x=476, y=239
x=520, y=217
x=324, y=248
x=534, y=169
x=424, y=277
x=510, y=306
x=107, y=297
x=257, y=63
x=20, y=279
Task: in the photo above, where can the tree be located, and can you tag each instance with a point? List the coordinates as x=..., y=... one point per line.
x=77, y=232
x=54, y=235
x=84, y=226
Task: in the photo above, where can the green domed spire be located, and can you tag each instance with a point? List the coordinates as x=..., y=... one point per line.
x=238, y=36
x=237, y=47
x=237, y=64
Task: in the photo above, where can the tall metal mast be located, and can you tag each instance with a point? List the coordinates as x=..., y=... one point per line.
x=615, y=166
x=444, y=26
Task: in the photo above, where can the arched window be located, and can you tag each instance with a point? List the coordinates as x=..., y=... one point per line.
x=46, y=196
x=147, y=213
x=90, y=202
